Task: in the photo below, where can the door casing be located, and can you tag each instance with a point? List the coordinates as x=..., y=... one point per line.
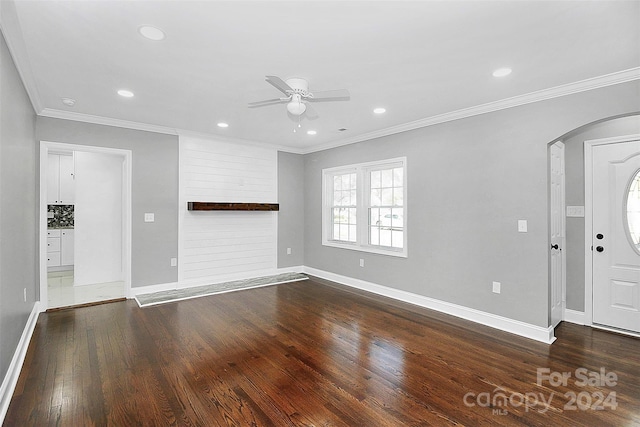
x=588, y=224
x=45, y=148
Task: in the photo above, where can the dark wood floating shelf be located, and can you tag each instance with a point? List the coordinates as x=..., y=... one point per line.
x=210, y=206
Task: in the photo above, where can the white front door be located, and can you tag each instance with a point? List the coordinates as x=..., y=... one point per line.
x=616, y=235
x=557, y=231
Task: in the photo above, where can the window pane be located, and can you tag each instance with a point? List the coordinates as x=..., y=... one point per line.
x=374, y=216
x=352, y=216
x=398, y=196
x=337, y=183
x=346, y=181
x=376, y=197
x=344, y=232
x=352, y=197
x=385, y=237
x=398, y=177
x=385, y=218
x=374, y=236
x=352, y=233
x=336, y=232
x=397, y=219
x=353, y=181
x=387, y=196
x=375, y=179
x=387, y=178
x=397, y=239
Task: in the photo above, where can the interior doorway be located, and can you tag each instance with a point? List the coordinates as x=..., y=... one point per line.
x=97, y=225
x=612, y=233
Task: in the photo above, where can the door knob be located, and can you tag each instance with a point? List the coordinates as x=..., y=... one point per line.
x=599, y=249
x=554, y=246
x=599, y=236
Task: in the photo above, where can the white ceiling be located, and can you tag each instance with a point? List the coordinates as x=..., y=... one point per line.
x=417, y=59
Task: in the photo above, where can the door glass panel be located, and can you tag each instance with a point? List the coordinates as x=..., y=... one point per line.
x=633, y=211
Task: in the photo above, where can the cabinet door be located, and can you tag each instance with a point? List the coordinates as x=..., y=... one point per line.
x=66, y=248
x=53, y=179
x=67, y=183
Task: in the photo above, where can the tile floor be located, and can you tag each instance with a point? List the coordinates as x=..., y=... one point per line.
x=62, y=293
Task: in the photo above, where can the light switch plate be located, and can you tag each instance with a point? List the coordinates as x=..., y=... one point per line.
x=174, y=262
x=522, y=225
x=149, y=217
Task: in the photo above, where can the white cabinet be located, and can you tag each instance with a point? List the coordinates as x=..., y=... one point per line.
x=60, y=184
x=59, y=247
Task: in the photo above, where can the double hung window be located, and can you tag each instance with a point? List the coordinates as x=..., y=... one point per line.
x=364, y=207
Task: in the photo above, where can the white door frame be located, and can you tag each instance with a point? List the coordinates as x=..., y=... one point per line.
x=45, y=148
x=588, y=218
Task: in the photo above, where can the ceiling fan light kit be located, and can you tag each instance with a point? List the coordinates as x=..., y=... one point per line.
x=298, y=97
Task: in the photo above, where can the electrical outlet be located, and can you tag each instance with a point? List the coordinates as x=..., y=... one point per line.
x=496, y=287
x=361, y=262
x=149, y=217
x=288, y=251
x=174, y=262
x=25, y=294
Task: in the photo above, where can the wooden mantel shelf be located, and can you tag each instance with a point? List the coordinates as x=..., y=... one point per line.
x=211, y=206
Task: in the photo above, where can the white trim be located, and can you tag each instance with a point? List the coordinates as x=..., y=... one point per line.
x=10, y=25
x=517, y=327
x=588, y=219
x=149, y=289
x=573, y=316
x=13, y=373
x=362, y=206
x=45, y=147
x=611, y=79
x=503, y=104
x=127, y=124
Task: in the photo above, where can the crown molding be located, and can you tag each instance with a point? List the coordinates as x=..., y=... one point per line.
x=529, y=98
x=107, y=121
x=126, y=124
x=10, y=24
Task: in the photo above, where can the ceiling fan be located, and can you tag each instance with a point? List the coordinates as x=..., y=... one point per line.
x=298, y=96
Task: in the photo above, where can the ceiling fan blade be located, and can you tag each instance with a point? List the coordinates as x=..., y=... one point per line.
x=331, y=95
x=268, y=101
x=279, y=84
x=264, y=104
x=310, y=112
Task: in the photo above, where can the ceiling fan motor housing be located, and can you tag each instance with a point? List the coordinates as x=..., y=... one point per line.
x=299, y=86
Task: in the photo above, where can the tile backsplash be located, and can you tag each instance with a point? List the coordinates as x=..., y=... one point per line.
x=62, y=216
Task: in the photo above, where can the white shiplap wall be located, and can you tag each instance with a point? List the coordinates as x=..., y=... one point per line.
x=217, y=246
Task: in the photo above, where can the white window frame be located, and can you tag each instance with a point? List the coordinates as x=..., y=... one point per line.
x=363, y=192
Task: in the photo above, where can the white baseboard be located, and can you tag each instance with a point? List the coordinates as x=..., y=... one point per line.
x=149, y=289
x=573, y=316
x=517, y=327
x=11, y=378
x=210, y=280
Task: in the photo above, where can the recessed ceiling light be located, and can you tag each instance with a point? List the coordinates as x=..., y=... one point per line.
x=125, y=93
x=379, y=110
x=152, y=33
x=223, y=125
x=311, y=132
x=501, y=72
x=69, y=102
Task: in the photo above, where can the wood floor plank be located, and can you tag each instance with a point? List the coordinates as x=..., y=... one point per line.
x=310, y=353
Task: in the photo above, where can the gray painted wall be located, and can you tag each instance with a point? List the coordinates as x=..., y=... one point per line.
x=18, y=221
x=469, y=182
x=291, y=214
x=154, y=189
x=574, y=183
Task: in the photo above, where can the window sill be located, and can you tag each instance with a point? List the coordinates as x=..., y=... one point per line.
x=400, y=253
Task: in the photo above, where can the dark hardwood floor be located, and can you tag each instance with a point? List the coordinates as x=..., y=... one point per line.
x=308, y=354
